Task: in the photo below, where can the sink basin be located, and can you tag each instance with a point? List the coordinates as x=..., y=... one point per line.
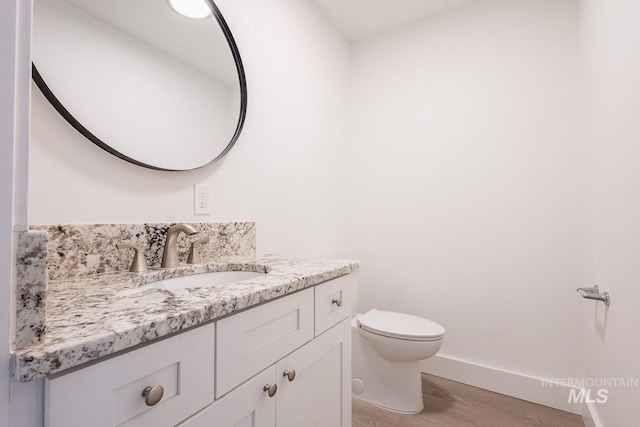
x=203, y=280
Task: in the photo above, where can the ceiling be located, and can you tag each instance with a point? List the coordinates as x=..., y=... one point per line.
x=359, y=19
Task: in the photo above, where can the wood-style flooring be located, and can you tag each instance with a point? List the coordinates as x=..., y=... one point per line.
x=451, y=404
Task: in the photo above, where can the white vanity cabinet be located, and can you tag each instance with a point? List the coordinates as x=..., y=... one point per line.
x=286, y=363
x=317, y=395
x=300, y=343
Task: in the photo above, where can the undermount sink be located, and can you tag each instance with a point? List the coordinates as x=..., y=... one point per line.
x=203, y=280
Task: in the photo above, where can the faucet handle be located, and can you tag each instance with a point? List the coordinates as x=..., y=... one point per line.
x=194, y=254
x=139, y=263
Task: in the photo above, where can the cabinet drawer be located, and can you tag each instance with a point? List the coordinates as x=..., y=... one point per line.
x=333, y=301
x=109, y=393
x=250, y=341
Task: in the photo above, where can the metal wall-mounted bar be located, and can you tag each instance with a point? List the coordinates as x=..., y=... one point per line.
x=594, y=293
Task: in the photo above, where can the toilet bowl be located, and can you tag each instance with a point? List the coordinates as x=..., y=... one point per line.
x=387, y=348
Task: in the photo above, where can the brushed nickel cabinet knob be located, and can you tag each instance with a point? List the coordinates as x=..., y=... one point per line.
x=290, y=374
x=152, y=394
x=337, y=301
x=271, y=389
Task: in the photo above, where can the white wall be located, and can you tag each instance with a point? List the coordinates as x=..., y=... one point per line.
x=7, y=114
x=15, y=19
x=286, y=172
x=465, y=177
x=611, y=338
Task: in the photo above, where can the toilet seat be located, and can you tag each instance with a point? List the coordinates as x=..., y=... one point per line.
x=400, y=326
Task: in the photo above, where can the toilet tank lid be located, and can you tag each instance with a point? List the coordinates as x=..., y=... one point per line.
x=399, y=325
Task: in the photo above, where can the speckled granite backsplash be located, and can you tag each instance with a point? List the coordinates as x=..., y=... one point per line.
x=31, y=292
x=60, y=252
x=81, y=250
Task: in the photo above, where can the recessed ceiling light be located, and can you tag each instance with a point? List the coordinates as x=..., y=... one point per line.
x=196, y=9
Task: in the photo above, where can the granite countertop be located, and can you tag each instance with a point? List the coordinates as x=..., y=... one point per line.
x=92, y=317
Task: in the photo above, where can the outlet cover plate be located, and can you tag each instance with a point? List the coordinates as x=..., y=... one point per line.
x=202, y=200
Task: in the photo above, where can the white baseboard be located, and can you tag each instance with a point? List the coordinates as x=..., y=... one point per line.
x=512, y=384
x=590, y=416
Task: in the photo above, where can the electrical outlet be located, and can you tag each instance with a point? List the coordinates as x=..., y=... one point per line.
x=202, y=200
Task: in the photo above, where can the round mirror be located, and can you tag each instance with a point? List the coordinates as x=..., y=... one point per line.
x=140, y=80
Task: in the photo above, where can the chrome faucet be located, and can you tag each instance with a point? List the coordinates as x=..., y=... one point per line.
x=170, y=251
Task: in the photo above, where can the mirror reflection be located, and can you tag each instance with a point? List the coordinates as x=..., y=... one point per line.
x=145, y=83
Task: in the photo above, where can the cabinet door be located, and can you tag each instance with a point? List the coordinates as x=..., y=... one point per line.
x=247, y=406
x=319, y=395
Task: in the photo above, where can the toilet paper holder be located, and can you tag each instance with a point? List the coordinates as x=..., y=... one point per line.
x=594, y=293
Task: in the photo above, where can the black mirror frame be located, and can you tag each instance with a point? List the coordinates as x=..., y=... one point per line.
x=37, y=78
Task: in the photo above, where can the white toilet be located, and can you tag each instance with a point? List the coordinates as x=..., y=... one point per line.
x=386, y=354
